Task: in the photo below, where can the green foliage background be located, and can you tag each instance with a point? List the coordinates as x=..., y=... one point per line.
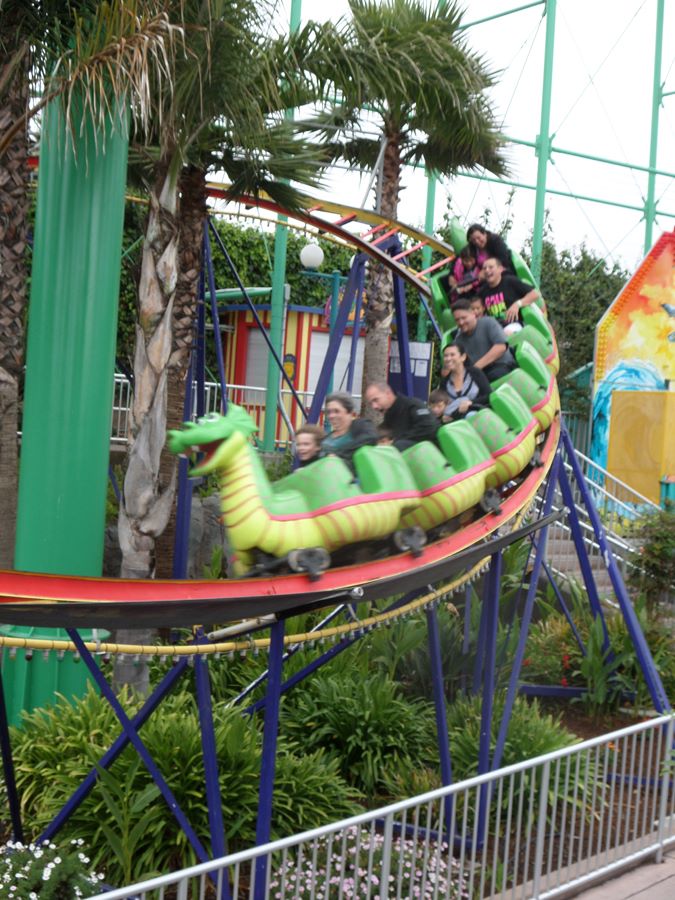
x=252, y=252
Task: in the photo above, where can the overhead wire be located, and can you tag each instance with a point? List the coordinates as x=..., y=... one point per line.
x=531, y=39
x=591, y=83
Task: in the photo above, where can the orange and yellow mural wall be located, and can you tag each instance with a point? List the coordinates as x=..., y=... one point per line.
x=634, y=376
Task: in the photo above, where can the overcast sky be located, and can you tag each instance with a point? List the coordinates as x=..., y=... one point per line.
x=601, y=105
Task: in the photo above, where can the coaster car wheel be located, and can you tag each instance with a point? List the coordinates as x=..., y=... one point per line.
x=311, y=560
x=412, y=539
x=490, y=502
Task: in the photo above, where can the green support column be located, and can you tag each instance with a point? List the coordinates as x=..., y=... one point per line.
x=70, y=357
x=336, y=280
x=70, y=362
x=277, y=300
x=657, y=98
x=543, y=144
x=422, y=323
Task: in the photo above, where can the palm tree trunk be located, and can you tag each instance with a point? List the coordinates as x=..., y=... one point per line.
x=146, y=504
x=13, y=292
x=379, y=289
x=192, y=217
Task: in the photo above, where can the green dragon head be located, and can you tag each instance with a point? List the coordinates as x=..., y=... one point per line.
x=211, y=435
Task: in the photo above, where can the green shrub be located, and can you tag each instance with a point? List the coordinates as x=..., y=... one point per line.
x=655, y=577
x=552, y=655
x=364, y=723
x=57, y=747
x=531, y=733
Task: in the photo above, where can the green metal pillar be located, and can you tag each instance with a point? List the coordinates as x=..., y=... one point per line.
x=336, y=280
x=277, y=299
x=543, y=143
x=422, y=323
x=70, y=362
x=657, y=99
x=70, y=357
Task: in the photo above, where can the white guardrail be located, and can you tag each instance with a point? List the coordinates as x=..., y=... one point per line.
x=533, y=830
x=253, y=399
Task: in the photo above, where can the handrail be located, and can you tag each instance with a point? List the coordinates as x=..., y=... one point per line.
x=588, y=463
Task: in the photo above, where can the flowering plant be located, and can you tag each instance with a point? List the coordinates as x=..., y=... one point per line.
x=350, y=866
x=45, y=872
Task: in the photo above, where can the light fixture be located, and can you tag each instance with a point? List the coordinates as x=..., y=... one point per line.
x=311, y=256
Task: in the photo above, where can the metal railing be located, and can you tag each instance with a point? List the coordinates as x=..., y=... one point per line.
x=618, y=505
x=535, y=829
x=252, y=399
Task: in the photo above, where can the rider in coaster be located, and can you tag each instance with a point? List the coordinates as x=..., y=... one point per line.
x=466, y=387
x=308, y=440
x=347, y=432
x=486, y=244
x=504, y=295
x=408, y=419
x=483, y=340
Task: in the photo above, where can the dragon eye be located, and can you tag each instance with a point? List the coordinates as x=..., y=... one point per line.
x=209, y=417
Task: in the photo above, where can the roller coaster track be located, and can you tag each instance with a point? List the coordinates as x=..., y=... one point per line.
x=363, y=229
x=70, y=601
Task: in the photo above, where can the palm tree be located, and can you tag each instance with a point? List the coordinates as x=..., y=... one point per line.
x=96, y=51
x=428, y=104
x=228, y=114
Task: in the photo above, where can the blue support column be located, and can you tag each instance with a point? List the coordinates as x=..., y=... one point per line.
x=649, y=670
x=254, y=312
x=526, y=616
x=139, y=746
x=402, y=336
x=480, y=647
x=439, y=707
x=269, y=755
x=336, y=338
x=356, y=329
x=491, y=605
x=210, y=757
x=582, y=553
x=466, y=637
x=215, y=319
x=121, y=743
x=8, y=770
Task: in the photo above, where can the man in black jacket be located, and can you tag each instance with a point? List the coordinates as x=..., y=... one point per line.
x=408, y=419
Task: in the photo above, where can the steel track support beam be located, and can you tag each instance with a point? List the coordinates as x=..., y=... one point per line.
x=269, y=754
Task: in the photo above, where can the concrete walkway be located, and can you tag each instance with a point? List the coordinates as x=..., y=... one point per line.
x=650, y=881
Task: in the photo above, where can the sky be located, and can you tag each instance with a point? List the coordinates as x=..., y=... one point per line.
x=601, y=105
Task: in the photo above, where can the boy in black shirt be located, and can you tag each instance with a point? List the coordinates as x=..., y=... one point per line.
x=503, y=294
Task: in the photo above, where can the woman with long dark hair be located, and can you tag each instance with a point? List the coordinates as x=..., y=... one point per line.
x=486, y=244
x=466, y=386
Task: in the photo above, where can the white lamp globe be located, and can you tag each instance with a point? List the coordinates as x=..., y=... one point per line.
x=311, y=256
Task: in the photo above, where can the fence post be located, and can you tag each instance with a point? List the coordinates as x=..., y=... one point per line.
x=541, y=829
x=665, y=784
x=388, y=836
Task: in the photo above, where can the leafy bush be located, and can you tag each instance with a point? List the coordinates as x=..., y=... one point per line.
x=552, y=655
x=364, y=723
x=531, y=733
x=655, y=577
x=46, y=871
x=125, y=825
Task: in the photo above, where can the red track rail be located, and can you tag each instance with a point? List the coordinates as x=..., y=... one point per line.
x=70, y=601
